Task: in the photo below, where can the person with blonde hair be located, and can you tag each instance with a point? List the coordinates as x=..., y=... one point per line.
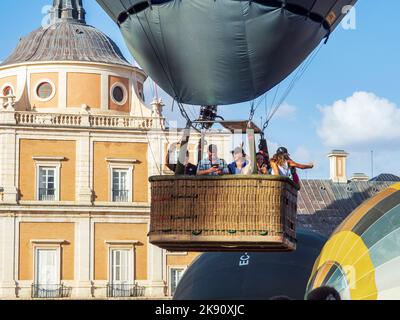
x=283, y=165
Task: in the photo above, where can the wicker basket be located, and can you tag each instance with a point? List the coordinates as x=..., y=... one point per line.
x=224, y=213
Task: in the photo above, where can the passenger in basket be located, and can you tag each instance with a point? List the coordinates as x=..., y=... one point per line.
x=240, y=165
x=212, y=165
x=262, y=165
x=263, y=150
x=282, y=165
x=190, y=169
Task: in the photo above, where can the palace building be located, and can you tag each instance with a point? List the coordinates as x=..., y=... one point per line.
x=78, y=144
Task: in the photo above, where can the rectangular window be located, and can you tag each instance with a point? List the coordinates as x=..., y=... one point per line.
x=120, y=185
x=47, y=273
x=121, y=266
x=47, y=184
x=175, y=276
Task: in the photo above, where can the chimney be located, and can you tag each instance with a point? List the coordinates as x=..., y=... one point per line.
x=358, y=177
x=337, y=160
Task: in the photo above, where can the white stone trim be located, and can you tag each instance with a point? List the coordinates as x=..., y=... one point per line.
x=120, y=161
x=122, y=242
x=8, y=251
x=125, y=92
x=48, y=241
x=174, y=253
x=35, y=206
x=53, y=88
x=17, y=244
x=46, y=65
x=45, y=159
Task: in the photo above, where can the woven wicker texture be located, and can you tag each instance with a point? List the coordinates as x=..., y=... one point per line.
x=229, y=213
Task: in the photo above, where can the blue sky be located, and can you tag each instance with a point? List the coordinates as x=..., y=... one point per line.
x=348, y=99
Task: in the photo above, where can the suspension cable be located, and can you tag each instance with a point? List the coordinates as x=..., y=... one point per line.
x=298, y=75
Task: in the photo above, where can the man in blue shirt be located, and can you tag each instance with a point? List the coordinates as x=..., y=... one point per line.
x=212, y=165
x=240, y=165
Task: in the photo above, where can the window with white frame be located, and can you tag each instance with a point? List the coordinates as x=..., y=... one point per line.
x=48, y=178
x=121, y=266
x=121, y=177
x=175, y=276
x=47, y=183
x=47, y=267
x=120, y=185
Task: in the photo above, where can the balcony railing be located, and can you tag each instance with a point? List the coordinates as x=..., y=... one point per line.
x=50, y=291
x=124, y=290
x=87, y=120
x=120, y=195
x=47, y=194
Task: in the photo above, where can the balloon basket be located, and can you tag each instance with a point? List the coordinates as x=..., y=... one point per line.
x=223, y=213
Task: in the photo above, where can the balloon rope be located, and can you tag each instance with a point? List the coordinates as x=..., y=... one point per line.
x=299, y=74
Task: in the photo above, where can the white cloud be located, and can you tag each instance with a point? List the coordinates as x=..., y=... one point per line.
x=286, y=110
x=362, y=120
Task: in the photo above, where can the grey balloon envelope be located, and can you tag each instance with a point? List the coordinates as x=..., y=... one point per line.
x=252, y=276
x=205, y=52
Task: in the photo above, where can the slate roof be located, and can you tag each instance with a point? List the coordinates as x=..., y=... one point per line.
x=386, y=177
x=323, y=205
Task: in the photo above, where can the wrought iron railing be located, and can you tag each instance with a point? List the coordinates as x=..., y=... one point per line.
x=120, y=195
x=50, y=291
x=125, y=290
x=46, y=194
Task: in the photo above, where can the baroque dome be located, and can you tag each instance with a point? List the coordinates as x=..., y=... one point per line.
x=67, y=38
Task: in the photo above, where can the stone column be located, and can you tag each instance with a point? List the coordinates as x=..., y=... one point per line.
x=156, y=261
x=84, y=191
x=155, y=267
x=8, y=158
x=7, y=257
x=82, y=288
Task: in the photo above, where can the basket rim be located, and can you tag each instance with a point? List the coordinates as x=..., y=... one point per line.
x=224, y=177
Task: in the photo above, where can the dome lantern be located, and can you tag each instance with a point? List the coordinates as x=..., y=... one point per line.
x=68, y=10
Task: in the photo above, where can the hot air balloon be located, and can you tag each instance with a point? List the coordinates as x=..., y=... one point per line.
x=219, y=52
x=258, y=276
x=361, y=260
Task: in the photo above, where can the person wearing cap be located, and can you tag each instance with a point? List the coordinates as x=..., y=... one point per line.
x=282, y=165
x=240, y=165
x=212, y=165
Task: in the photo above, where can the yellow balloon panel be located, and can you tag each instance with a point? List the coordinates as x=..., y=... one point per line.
x=349, y=251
